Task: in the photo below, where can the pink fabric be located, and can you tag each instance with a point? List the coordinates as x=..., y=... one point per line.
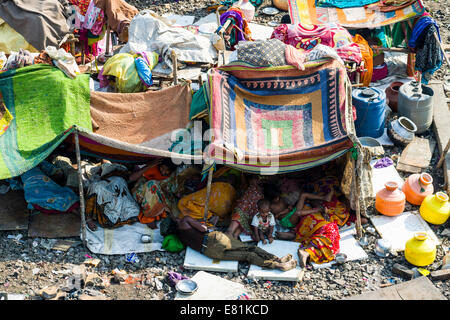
x=295, y=57
x=332, y=35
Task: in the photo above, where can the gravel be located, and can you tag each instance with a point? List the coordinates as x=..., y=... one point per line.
x=28, y=265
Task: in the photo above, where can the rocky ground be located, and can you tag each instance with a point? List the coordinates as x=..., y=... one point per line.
x=28, y=266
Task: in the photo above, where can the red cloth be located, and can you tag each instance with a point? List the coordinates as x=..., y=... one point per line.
x=153, y=173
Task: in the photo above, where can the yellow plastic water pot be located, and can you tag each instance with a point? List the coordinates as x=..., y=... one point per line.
x=435, y=208
x=420, y=250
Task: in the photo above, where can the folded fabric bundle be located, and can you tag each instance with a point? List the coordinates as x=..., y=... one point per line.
x=144, y=64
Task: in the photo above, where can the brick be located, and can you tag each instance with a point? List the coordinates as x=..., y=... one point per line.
x=402, y=271
x=441, y=274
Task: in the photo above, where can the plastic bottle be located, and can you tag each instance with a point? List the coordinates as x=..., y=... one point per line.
x=132, y=257
x=247, y=8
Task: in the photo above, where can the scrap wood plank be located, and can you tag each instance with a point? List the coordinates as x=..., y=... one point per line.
x=417, y=289
x=441, y=119
x=416, y=156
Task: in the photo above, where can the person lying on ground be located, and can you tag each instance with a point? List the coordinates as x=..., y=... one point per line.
x=218, y=245
x=318, y=227
x=263, y=222
x=148, y=193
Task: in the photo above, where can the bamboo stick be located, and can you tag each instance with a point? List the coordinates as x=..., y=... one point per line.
x=442, y=48
x=175, y=67
x=208, y=193
x=80, y=188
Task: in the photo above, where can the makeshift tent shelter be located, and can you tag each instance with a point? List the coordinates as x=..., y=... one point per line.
x=314, y=104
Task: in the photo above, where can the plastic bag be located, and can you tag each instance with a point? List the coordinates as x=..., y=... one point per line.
x=122, y=67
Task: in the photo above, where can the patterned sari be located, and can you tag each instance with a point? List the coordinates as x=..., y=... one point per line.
x=246, y=207
x=150, y=197
x=314, y=229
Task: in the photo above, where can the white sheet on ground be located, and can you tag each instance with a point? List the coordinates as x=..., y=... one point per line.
x=122, y=240
x=196, y=261
x=382, y=175
x=179, y=20
x=211, y=287
x=279, y=248
x=399, y=229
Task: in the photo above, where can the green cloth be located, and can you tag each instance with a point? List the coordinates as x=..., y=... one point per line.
x=172, y=243
x=199, y=102
x=46, y=105
x=285, y=222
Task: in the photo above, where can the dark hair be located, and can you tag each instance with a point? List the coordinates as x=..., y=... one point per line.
x=263, y=203
x=169, y=164
x=167, y=226
x=271, y=191
x=286, y=19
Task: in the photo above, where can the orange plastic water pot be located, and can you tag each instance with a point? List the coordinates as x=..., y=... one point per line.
x=417, y=187
x=390, y=201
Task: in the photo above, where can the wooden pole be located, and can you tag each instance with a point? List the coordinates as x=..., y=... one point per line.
x=444, y=153
x=208, y=193
x=175, y=67
x=108, y=36
x=358, y=209
x=442, y=48
x=80, y=188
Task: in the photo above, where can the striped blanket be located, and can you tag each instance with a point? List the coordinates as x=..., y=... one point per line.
x=44, y=105
x=306, y=12
x=279, y=119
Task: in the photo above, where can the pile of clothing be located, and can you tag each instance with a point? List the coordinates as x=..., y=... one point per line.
x=51, y=56
x=306, y=38
x=131, y=72
x=90, y=19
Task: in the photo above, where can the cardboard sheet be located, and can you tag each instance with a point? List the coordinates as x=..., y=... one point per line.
x=196, y=261
x=279, y=248
x=401, y=228
x=211, y=287
x=383, y=175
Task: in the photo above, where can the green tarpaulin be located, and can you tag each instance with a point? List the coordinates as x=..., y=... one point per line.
x=46, y=105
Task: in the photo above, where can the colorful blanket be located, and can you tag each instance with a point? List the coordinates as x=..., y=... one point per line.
x=45, y=105
x=370, y=16
x=278, y=119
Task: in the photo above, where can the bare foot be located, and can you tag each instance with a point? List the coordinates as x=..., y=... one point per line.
x=152, y=225
x=270, y=239
x=303, y=257
x=364, y=220
x=286, y=258
x=264, y=241
x=291, y=264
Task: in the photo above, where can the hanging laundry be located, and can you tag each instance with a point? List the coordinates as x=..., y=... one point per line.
x=429, y=57
x=367, y=55
x=306, y=37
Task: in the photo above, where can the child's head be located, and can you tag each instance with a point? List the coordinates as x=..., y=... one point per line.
x=166, y=167
x=264, y=207
x=271, y=192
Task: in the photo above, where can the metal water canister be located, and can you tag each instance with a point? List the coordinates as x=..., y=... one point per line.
x=416, y=103
x=370, y=104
